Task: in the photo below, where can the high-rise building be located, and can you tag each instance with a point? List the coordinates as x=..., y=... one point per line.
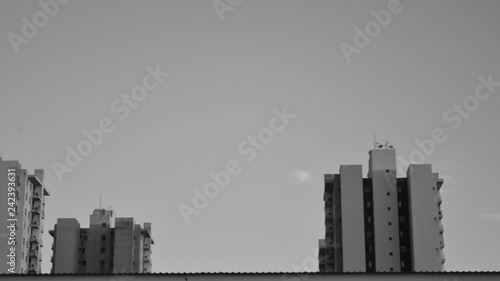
x=21, y=218
x=109, y=245
x=382, y=223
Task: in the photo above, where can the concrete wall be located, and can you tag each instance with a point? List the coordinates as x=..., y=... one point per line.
x=385, y=209
x=353, y=221
x=67, y=238
x=124, y=245
x=337, y=224
x=94, y=245
x=422, y=187
x=4, y=231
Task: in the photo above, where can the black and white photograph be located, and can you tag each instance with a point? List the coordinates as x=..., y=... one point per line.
x=271, y=140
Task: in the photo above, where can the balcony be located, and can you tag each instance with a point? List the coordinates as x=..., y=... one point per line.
x=34, y=239
x=146, y=233
x=147, y=246
x=36, y=196
x=441, y=228
x=441, y=244
x=35, y=224
x=146, y=259
x=33, y=253
x=440, y=214
x=33, y=269
x=443, y=258
x=36, y=210
x=440, y=199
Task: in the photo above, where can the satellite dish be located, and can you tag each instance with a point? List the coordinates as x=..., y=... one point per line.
x=391, y=147
x=380, y=146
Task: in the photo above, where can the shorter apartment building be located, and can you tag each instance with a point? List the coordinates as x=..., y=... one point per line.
x=109, y=245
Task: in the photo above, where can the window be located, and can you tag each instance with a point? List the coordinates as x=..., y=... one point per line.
x=402, y=219
x=369, y=219
x=368, y=204
x=389, y=223
x=84, y=263
x=103, y=225
x=392, y=269
x=401, y=234
x=390, y=253
x=103, y=250
x=388, y=208
x=388, y=194
x=403, y=264
x=387, y=171
x=400, y=189
x=403, y=249
x=400, y=204
x=369, y=234
x=102, y=263
x=369, y=264
x=390, y=238
x=103, y=237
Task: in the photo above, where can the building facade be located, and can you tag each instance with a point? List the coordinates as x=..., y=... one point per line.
x=21, y=218
x=109, y=245
x=382, y=223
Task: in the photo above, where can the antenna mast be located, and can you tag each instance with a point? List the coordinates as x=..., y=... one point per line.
x=100, y=201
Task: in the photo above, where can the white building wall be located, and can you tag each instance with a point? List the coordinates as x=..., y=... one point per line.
x=385, y=209
x=426, y=239
x=353, y=230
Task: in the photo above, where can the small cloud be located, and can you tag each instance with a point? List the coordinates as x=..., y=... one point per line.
x=495, y=217
x=301, y=176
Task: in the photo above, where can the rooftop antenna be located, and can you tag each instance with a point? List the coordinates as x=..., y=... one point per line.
x=100, y=201
x=375, y=143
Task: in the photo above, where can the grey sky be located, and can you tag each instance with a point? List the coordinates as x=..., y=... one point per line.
x=225, y=79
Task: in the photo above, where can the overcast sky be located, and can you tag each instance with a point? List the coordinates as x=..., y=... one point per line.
x=229, y=71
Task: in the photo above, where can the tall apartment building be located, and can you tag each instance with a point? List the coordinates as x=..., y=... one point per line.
x=21, y=218
x=382, y=223
x=109, y=245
